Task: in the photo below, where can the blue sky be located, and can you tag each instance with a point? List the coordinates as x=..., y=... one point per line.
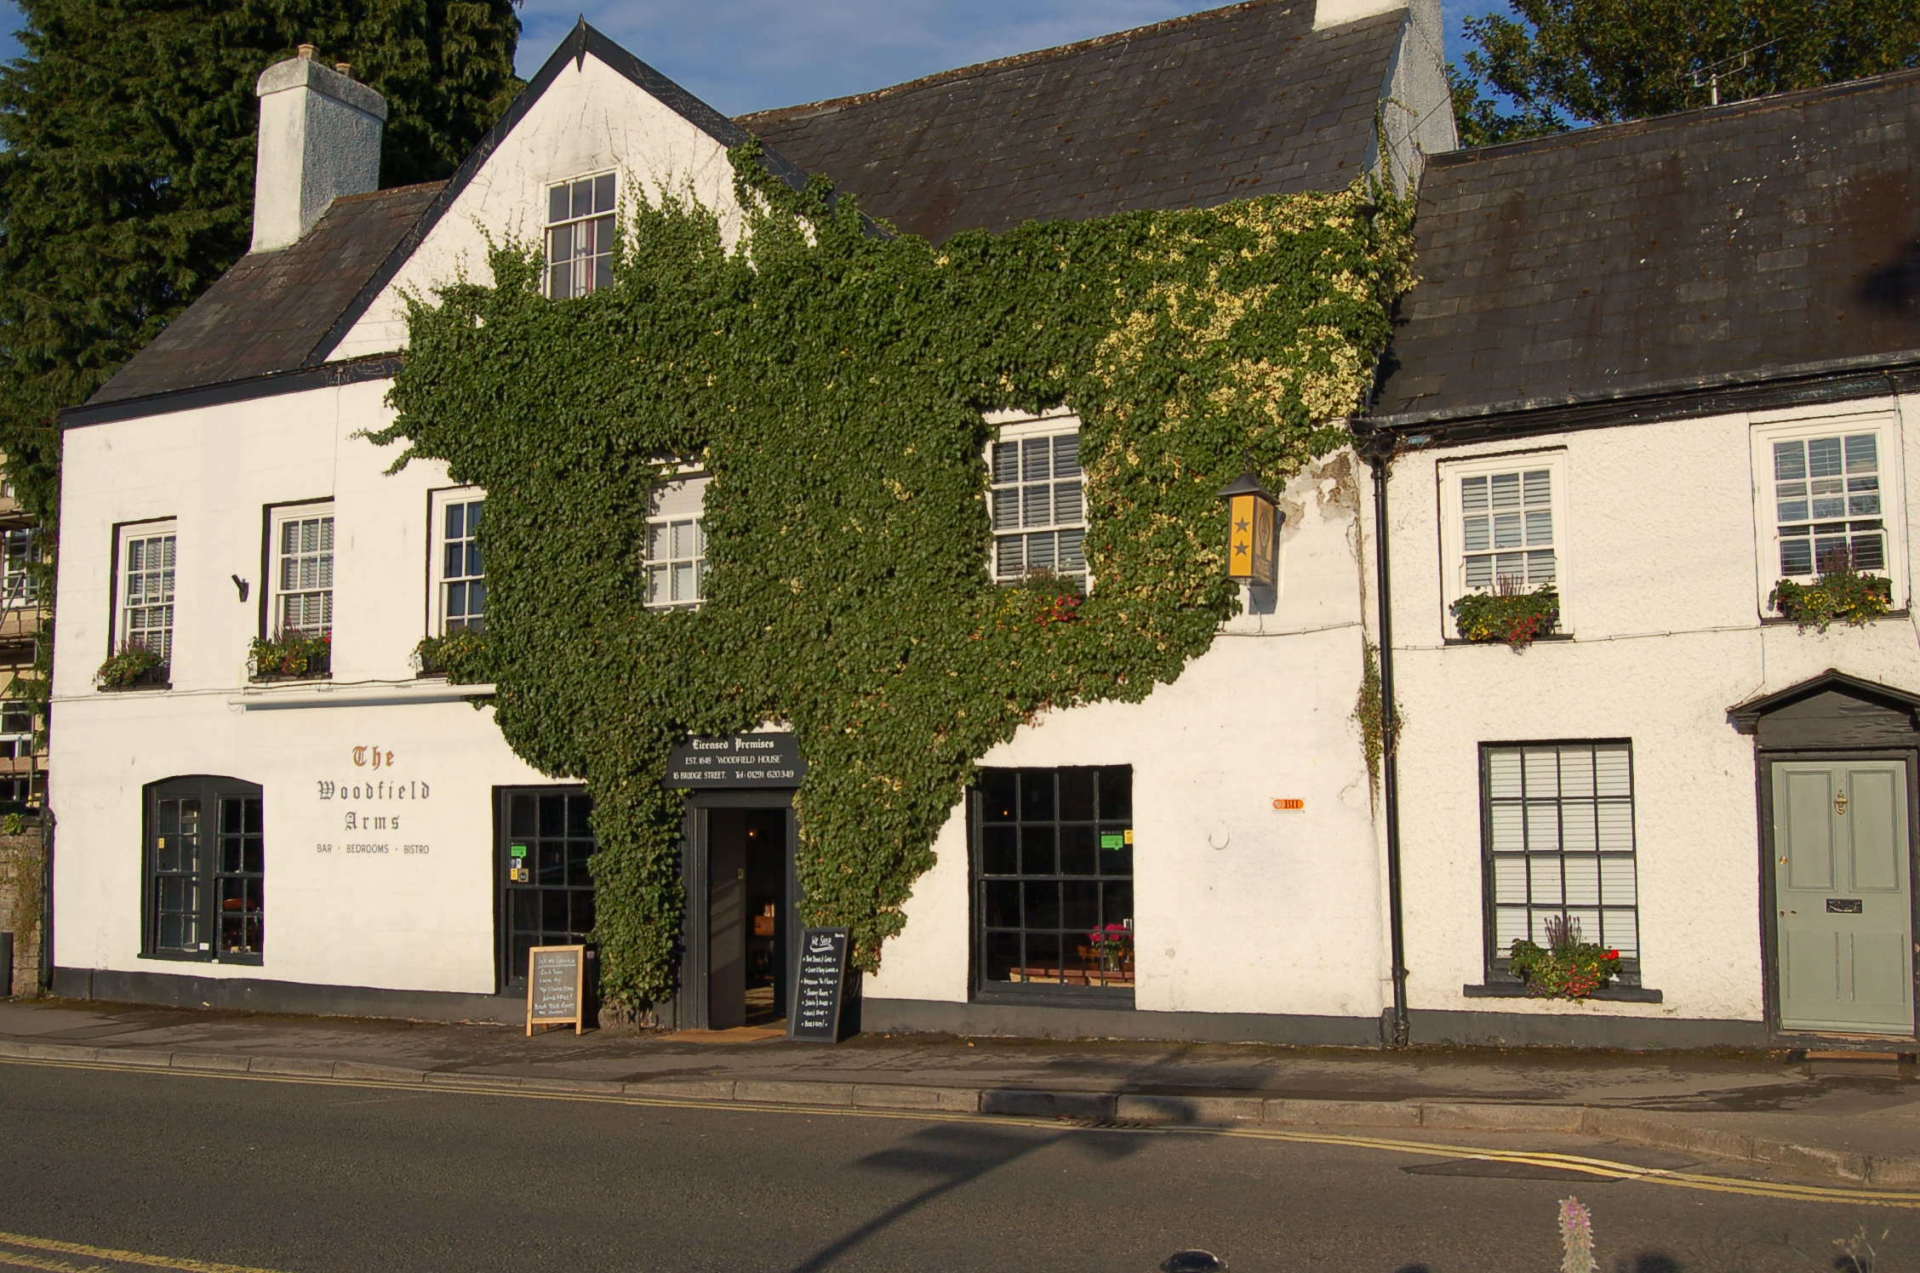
x=744, y=55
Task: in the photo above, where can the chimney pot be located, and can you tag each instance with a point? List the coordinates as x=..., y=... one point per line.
x=306, y=52
x=345, y=68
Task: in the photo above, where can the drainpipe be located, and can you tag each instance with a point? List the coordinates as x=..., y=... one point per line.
x=1376, y=447
x=46, y=897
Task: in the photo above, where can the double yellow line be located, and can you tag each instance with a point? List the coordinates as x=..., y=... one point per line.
x=1601, y=1168
x=29, y=1259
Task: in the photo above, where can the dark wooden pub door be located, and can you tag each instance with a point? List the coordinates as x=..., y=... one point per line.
x=742, y=901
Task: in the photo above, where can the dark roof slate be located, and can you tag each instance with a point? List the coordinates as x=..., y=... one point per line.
x=267, y=313
x=1738, y=244
x=1187, y=113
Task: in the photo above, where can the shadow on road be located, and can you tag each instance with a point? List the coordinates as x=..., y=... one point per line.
x=954, y=1155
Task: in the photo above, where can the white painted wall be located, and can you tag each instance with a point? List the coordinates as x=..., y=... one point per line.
x=1661, y=562
x=590, y=120
x=1238, y=907
x=417, y=920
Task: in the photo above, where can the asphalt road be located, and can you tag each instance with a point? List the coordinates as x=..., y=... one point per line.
x=104, y=1170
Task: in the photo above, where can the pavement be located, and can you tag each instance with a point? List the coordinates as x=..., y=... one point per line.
x=1850, y=1121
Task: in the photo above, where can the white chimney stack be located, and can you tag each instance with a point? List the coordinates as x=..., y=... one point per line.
x=319, y=139
x=1333, y=13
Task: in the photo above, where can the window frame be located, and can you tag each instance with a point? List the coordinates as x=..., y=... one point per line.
x=1495, y=961
x=549, y=224
x=681, y=499
x=1763, y=433
x=1019, y=431
x=209, y=911
x=18, y=587
x=1450, y=475
x=1118, y=995
x=15, y=743
x=438, y=581
x=277, y=515
x=125, y=534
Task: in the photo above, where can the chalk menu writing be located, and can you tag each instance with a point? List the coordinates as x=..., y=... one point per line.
x=820, y=982
x=556, y=980
x=739, y=760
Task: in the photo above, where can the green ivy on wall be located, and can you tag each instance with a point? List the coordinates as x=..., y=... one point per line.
x=831, y=378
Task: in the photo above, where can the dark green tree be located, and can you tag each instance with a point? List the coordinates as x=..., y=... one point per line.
x=126, y=183
x=1557, y=64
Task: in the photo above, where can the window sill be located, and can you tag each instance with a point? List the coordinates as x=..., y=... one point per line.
x=1550, y=638
x=200, y=957
x=1115, y=1000
x=1781, y=621
x=1514, y=990
x=140, y=687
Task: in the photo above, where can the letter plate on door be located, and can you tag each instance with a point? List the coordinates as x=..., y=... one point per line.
x=1844, y=905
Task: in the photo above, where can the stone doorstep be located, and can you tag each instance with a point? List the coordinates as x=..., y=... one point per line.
x=1842, y=1166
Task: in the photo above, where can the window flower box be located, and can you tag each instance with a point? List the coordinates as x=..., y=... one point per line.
x=454, y=655
x=132, y=667
x=290, y=656
x=1840, y=592
x=1508, y=614
x=1566, y=967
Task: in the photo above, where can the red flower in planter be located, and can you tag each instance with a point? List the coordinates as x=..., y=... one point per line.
x=1613, y=955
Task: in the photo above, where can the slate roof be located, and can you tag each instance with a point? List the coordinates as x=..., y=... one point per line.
x=1191, y=112
x=1187, y=113
x=1738, y=244
x=268, y=312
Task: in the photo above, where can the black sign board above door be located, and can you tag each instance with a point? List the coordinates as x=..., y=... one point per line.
x=819, y=986
x=738, y=760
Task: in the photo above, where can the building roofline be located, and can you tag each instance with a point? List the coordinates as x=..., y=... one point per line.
x=1746, y=716
x=1836, y=380
x=582, y=41
x=1017, y=60
x=1787, y=100
x=247, y=388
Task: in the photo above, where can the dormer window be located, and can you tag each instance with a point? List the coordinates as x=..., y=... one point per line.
x=580, y=235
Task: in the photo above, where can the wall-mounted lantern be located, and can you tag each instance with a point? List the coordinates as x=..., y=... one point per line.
x=1253, y=530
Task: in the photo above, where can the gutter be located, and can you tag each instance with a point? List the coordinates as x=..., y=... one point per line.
x=1376, y=447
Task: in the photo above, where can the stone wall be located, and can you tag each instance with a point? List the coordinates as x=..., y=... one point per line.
x=21, y=857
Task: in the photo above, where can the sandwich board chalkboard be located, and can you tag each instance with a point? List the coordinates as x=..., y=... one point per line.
x=819, y=986
x=556, y=986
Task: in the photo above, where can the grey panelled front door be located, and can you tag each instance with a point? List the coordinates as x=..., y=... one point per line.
x=1843, y=892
